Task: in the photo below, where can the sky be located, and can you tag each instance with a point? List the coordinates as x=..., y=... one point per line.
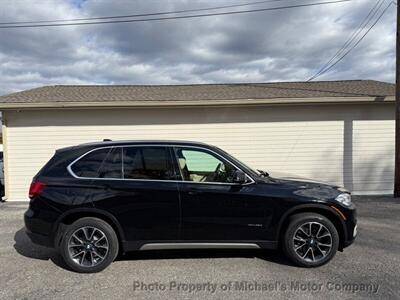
x=286, y=45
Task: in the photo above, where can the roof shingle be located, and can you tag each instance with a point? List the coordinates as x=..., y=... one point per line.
x=110, y=93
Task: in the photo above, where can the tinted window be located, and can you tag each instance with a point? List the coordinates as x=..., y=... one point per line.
x=201, y=166
x=147, y=163
x=102, y=163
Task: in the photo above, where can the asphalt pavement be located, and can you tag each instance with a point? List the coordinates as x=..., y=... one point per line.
x=370, y=268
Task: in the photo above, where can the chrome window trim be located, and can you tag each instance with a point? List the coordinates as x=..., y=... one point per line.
x=69, y=167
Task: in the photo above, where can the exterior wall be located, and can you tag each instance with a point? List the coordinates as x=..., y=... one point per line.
x=350, y=145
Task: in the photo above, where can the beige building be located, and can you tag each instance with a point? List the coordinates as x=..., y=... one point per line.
x=340, y=132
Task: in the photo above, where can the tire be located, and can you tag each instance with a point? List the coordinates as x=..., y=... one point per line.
x=296, y=242
x=93, y=236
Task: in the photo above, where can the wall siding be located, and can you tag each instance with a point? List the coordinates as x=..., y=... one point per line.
x=347, y=145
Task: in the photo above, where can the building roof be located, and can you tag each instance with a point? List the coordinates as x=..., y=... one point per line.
x=120, y=95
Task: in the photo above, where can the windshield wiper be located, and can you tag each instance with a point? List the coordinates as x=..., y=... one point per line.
x=263, y=173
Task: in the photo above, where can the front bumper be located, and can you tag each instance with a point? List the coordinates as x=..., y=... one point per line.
x=350, y=226
x=351, y=240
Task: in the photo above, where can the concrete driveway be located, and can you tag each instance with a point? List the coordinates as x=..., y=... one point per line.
x=369, y=268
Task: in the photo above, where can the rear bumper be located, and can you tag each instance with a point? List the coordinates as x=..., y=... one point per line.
x=39, y=239
x=39, y=225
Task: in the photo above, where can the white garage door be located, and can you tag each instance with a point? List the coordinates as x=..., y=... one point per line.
x=346, y=145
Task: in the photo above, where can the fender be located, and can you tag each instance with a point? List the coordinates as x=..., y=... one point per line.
x=302, y=207
x=91, y=210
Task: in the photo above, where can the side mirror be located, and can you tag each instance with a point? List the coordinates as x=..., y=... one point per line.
x=239, y=177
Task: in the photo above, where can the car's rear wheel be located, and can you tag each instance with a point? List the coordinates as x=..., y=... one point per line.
x=89, y=245
x=310, y=240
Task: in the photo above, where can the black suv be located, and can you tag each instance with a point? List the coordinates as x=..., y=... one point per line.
x=96, y=200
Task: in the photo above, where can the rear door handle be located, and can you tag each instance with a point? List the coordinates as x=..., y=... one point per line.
x=194, y=192
x=111, y=187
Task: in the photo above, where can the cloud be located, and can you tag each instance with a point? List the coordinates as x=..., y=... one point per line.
x=282, y=45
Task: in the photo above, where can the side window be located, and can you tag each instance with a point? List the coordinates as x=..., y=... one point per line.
x=147, y=163
x=201, y=166
x=102, y=163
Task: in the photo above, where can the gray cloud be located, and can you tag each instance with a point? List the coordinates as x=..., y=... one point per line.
x=270, y=46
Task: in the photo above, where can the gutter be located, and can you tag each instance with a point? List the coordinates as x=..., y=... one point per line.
x=190, y=103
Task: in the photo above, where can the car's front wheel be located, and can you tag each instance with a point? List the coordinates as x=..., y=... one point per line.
x=310, y=240
x=89, y=245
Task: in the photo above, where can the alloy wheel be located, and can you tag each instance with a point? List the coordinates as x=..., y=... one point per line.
x=312, y=241
x=88, y=246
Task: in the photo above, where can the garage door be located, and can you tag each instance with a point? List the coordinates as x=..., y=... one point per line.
x=346, y=145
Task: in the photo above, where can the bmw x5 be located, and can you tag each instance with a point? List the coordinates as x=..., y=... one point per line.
x=94, y=201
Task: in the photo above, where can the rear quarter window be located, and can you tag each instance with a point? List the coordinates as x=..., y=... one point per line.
x=100, y=163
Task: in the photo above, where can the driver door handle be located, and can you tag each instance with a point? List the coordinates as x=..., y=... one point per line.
x=194, y=192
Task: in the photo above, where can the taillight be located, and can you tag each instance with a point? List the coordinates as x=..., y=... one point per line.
x=36, y=189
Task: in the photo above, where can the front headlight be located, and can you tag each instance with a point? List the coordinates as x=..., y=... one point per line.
x=344, y=199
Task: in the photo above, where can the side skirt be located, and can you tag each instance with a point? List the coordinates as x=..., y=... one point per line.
x=164, y=245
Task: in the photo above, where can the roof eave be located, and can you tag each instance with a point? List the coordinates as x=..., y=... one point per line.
x=184, y=103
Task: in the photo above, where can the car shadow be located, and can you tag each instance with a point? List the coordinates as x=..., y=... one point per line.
x=25, y=247
x=273, y=256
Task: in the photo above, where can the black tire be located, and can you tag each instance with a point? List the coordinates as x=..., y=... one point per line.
x=315, y=257
x=105, y=254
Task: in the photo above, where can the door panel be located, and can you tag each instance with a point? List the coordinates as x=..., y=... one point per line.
x=222, y=212
x=213, y=206
x=146, y=210
x=141, y=194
